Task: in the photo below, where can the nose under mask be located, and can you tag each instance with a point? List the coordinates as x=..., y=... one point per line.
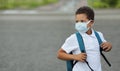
x=82, y=26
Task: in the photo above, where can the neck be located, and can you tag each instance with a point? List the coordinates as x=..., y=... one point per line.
x=89, y=32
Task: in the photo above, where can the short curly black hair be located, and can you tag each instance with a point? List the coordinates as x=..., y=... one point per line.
x=86, y=10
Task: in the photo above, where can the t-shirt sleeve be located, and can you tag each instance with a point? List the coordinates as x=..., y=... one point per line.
x=102, y=37
x=68, y=45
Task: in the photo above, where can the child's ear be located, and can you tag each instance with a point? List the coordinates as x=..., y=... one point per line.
x=92, y=23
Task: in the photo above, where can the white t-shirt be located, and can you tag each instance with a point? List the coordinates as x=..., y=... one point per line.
x=91, y=47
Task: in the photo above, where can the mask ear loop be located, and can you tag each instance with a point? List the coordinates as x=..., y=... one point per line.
x=89, y=22
x=92, y=23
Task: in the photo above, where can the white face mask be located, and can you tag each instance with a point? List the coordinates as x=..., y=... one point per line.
x=82, y=26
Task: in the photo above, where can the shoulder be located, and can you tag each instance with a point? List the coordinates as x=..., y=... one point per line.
x=100, y=33
x=72, y=37
x=101, y=36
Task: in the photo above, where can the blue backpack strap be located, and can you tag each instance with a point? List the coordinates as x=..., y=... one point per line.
x=69, y=64
x=80, y=42
x=100, y=42
x=82, y=47
x=99, y=39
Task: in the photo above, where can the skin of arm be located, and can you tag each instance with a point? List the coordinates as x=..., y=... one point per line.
x=61, y=54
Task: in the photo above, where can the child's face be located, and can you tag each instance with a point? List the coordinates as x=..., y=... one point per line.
x=83, y=18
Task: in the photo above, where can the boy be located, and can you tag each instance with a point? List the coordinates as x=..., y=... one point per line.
x=84, y=21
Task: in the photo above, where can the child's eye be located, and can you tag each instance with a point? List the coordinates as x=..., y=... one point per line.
x=77, y=21
x=81, y=21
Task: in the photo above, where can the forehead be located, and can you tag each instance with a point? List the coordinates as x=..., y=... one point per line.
x=81, y=17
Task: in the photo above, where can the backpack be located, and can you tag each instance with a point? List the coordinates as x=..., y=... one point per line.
x=71, y=63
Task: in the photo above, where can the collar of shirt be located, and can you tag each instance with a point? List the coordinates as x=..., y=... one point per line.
x=85, y=34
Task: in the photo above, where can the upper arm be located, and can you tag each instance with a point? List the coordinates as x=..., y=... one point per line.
x=70, y=44
x=102, y=37
x=61, y=51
